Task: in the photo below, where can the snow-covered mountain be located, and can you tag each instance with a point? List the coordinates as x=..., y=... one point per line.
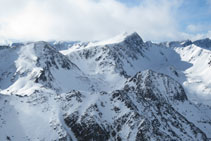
x=118, y=89
x=38, y=66
x=198, y=54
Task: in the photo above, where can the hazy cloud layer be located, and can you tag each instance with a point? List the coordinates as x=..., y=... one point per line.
x=91, y=20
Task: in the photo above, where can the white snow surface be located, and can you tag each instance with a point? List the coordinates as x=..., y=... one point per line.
x=198, y=76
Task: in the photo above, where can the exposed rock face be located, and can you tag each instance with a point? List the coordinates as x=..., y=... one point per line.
x=113, y=57
x=140, y=111
x=49, y=59
x=39, y=64
x=157, y=86
x=205, y=43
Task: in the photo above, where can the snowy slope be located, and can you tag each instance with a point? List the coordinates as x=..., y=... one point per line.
x=198, y=83
x=28, y=118
x=127, y=54
x=116, y=59
x=139, y=111
x=196, y=76
x=38, y=66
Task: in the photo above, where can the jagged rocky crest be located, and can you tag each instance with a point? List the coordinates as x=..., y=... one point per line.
x=38, y=65
x=157, y=86
x=137, y=112
x=204, y=43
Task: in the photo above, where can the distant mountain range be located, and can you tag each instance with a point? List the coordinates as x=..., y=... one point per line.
x=118, y=89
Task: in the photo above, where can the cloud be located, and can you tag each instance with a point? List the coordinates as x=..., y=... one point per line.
x=197, y=31
x=88, y=19
x=195, y=36
x=194, y=28
x=208, y=2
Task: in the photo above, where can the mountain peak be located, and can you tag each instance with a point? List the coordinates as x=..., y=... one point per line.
x=205, y=43
x=124, y=37
x=160, y=86
x=133, y=35
x=133, y=38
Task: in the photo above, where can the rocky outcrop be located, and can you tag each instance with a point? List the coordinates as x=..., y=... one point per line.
x=140, y=111
x=205, y=43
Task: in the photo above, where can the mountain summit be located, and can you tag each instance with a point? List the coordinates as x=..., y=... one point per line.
x=133, y=38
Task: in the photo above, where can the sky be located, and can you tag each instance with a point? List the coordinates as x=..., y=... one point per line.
x=85, y=20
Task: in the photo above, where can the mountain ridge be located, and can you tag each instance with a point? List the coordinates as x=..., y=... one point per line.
x=118, y=89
